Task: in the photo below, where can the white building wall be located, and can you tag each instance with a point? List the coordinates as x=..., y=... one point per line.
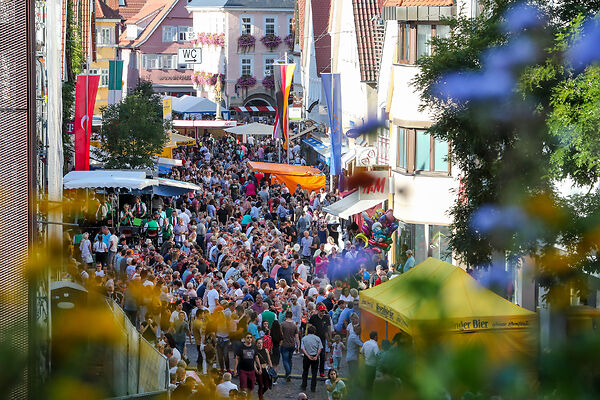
x=213, y=57
x=405, y=98
x=311, y=83
x=387, y=61
x=354, y=92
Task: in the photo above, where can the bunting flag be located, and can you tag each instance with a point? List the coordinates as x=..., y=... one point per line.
x=283, y=74
x=85, y=99
x=333, y=97
x=115, y=81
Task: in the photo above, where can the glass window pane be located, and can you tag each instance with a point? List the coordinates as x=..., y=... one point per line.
x=423, y=150
x=401, y=151
x=404, y=43
x=438, y=242
x=441, y=155
x=423, y=39
x=442, y=31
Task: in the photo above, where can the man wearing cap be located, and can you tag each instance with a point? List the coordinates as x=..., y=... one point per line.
x=321, y=322
x=410, y=261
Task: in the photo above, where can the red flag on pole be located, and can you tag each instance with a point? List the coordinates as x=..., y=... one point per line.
x=85, y=94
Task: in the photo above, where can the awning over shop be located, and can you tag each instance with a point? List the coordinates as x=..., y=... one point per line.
x=254, y=108
x=171, y=187
x=169, y=162
x=350, y=205
x=107, y=179
x=309, y=178
x=254, y=128
x=462, y=311
x=177, y=139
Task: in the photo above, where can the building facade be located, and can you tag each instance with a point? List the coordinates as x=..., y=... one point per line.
x=149, y=48
x=240, y=42
x=425, y=181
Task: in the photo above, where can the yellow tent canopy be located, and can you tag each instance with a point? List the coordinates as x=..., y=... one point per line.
x=457, y=306
x=309, y=178
x=176, y=140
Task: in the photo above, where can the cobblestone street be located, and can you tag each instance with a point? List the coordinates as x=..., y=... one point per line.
x=283, y=389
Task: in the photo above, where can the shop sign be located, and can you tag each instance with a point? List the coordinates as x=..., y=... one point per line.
x=295, y=113
x=189, y=56
x=367, y=157
x=379, y=189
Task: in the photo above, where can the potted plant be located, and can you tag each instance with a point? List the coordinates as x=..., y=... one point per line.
x=246, y=81
x=269, y=82
x=246, y=41
x=271, y=41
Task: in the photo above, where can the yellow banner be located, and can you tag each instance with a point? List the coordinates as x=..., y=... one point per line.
x=167, y=110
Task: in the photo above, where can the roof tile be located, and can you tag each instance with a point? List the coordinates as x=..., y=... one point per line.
x=131, y=8
x=418, y=3
x=103, y=10
x=364, y=13
x=320, y=15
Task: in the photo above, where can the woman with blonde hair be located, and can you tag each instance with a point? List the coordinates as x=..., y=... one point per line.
x=86, y=249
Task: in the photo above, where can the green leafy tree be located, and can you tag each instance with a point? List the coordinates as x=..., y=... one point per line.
x=512, y=151
x=133, y=131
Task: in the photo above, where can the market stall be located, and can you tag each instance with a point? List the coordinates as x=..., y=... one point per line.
x=254, y=129
x=309, y=178
x=455, y=307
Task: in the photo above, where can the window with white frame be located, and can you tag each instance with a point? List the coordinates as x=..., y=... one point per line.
x=290, y=25
x=105, y=36
x=150, y=61
x=269, y=61
x=104, y=77
x=246, y=26
x=168, y=61
x=246, y=67
x=169, y=34
x=383, y=148
x=183, y=33
x=270, y=26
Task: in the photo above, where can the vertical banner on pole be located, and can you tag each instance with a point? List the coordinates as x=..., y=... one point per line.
x=333, y=97
x=167, y=109
x=84, y=113
x=283, y=74
x=115, y=81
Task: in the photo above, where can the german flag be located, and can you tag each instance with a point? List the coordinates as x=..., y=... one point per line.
x=283, y=74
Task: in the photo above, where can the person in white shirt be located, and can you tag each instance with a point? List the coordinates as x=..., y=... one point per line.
x=370, y=349
x=226, y=386
x=212, y=298
x=302, y=271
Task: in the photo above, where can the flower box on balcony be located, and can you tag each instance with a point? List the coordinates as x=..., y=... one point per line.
x=246, y=42
x=246, y=81
x=269, y=82
x=271, y=41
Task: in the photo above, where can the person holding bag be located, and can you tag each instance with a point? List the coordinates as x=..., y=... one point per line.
x=263, y=378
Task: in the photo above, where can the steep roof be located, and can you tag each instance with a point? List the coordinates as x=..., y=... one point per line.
x=103, y=10
x=320, y=16
x=364, y=13
x=131, y=8
x=300, y=9
x=268, y=4
x=155, y=10
x=418, y=3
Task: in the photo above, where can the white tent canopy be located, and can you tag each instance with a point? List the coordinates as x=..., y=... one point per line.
x=107, y=179
x=178, y=184
x=350, y=205
x=255, y=128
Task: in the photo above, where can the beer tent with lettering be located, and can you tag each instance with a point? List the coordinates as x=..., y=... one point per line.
x=438, y=296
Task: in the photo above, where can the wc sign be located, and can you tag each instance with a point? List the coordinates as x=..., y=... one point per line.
x=189, y=56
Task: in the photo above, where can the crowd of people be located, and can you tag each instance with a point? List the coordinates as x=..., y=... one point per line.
x=240, y=278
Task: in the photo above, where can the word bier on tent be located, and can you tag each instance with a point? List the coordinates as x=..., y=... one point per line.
x=189, y=56
x=379, y=189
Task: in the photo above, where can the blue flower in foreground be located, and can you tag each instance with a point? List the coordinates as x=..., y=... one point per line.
x=489, y=218
x=522, y=16
x=586, y=50
x=493, y=276
x=520, y=51
x=369, y=126
x=465, y=86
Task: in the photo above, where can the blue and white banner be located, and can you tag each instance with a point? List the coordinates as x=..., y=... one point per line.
x=333, y=97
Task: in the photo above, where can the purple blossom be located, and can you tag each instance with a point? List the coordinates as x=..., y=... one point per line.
x=246, y=41
x=466, y=86
x=586, y=50
x=371, y=125
x=522, y=16
x=271, y=41
x=269, y=82
x=519, y=51
x=289, y=40
x=246, y=81
x=489, y=218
